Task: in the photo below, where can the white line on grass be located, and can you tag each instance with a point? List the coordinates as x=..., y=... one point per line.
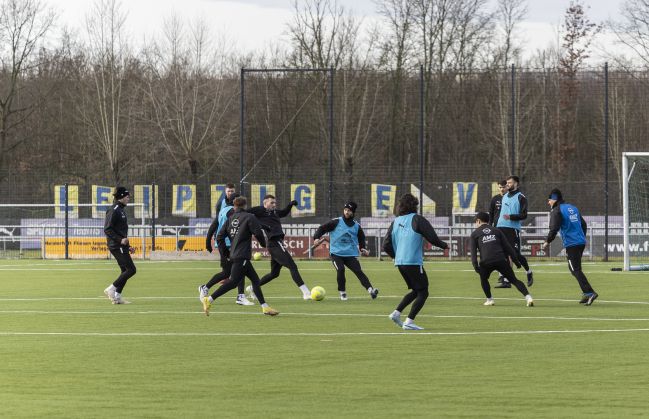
x=249, y=313
x=315, y=334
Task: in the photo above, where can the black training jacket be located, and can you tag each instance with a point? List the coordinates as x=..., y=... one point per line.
x=494, y=209
x=116, y=225
x=270, y=220
x=239, y=227
x=493, y=246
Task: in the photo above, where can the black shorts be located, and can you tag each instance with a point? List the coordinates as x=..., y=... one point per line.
x=574, y=253
x=414, y=275
x=513, y=237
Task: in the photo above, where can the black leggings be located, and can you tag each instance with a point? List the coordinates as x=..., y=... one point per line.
x=126, y=265
x=354, y=265
x=240, y=269
x=281, y=257
x=573, y=254
x=507, y=272
x=226, y=267
x=417, y=281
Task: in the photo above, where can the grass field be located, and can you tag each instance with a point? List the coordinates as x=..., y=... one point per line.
x=67, y=352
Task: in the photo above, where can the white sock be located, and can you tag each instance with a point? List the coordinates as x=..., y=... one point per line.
x=528, y=297
x=211, y=299
x=408, y=320
x=529, y=272
x=396, y=313
x=117, y=295
x=111, y=288
x=305, y=289
x=370, y=289
x=265, y=305
x=240, y=296
x=343, y=292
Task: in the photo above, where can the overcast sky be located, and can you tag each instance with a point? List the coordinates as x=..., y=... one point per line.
x=253, y=24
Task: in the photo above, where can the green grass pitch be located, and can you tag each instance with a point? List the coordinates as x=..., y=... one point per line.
x=66, y=352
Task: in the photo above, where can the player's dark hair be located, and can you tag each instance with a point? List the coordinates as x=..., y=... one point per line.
x=407, y=204
x=229, y=185
x=482, y=216
x=269, y=196
x=514, y=178
x=502, y=182
x=240, y=201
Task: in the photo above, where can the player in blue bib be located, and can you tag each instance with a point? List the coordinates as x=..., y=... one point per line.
x=566, y=218
x=345, y=238
x=513, y=211
x=404, y=242
x=224, y=210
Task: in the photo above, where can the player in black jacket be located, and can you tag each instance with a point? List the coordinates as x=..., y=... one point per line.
x=226, y=265
x=116, y=230
x=494, y=213
x=270, y=218
x=494, y=249
x=239, y=228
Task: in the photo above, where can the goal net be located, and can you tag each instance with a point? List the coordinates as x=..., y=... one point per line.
x=635, y=195
x=52, y=231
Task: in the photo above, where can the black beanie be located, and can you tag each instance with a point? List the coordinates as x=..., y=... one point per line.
x=121, y=192
x=351, y=205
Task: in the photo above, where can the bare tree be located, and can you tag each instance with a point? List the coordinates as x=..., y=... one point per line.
x=105, y=111
x=24, y=25
x=578, y=34
x=633, y=30
x=190, y=100
x=509, y=15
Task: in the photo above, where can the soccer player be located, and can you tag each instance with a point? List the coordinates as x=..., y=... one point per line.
x=512, y=212
x=496, y=203
x=567, y=218
x=346, y=237
x=270, y=217
x=494, y=214
x=404, y=243
x=239, y=229
x=228, y=196
x=226, y=265
x=494, y=249
x=116, y=230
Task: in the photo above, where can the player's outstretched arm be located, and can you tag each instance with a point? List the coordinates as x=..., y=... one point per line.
x=423, y=227
x=286, y=211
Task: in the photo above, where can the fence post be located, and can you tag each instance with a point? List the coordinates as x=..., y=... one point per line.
x=153, y=208
x=421, y=139
x=331, y=139
x=67, y=222
x=242, y=111
x=605, y=162
x=513, y=119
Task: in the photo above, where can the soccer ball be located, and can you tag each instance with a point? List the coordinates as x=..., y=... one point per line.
x=318, y=293
x=256, y=256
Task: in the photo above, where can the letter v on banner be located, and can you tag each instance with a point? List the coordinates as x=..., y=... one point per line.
x=465, y=197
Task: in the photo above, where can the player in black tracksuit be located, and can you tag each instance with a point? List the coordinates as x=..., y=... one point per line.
x=239, y=228
x=494, y=249
x=116, y=230
x=494, y=213
x=226, y=265
x=270, y=218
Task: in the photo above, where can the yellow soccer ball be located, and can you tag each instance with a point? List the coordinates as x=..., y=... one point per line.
x=318, y=293
x=256, y=256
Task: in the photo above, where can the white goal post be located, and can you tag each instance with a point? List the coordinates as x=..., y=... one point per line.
x=635, y=205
